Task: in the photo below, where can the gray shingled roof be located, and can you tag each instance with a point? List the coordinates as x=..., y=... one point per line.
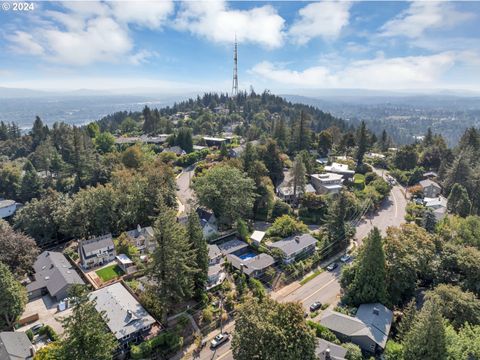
x=336, y=351
x=294, y=244
x=14, y=346
x=53, y=271
x=6, y=203
x=259, y=262
x=232, y=246
x=213, y=251
x=124, y=314
x=97, y=243
x=428, y=182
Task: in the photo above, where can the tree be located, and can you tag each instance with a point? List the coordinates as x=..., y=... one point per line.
x=426, y=338
x=368, y=283
x=285, y=226
x=362, y=143
x=104, y=142
x=85, y=335
x=125, y=245
x=406, y=158
x=13, y=298
x=301, y=133
x=384, y=141
x=19, y=251
x=458, y=201
x=270, y=155
x=227, y=191
x=281, y=328
x=39, y=132
x=393, y=351
x=200, y=248
x=408, y=317
x=429, y=221
x=133, y=157
x=297, y=177
x=456, y=305
x=325, y=142
x=31, y=186
x=184, y=139
x=464, y=344
x=337, y=229
x=9, y=181
x=174, y=261
x=353, y=352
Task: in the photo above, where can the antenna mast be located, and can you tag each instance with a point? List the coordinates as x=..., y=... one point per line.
x=235, y=70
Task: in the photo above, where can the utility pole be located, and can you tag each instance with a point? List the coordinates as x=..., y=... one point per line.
x=235, y=70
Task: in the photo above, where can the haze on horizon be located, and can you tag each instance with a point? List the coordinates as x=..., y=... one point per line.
x=287, y=47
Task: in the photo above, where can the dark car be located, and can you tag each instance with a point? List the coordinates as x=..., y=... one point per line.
x=36, y=328
x=315, y=306
x=332, y=266
x=219, y=340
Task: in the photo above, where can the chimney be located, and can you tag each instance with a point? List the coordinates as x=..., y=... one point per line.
x=139, y=228
x=327, y=354
x=375, y=311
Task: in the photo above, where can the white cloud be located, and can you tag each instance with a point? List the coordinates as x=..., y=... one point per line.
x=421, y=16
x=377, y=73
x=151, y=14
x=215, y=22
x=24, y=43
x=324, y=19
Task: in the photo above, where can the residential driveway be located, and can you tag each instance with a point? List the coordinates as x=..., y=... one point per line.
x=46, y=308
x=185, y=193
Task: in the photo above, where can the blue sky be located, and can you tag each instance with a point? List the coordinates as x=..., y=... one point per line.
x=283, y=46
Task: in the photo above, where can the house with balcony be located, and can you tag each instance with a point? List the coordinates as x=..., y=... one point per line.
x=295, y=246
x=327, y=183
x=96, y=251
x=341, y=169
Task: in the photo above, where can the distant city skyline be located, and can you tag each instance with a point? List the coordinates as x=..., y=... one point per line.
x=286, y=47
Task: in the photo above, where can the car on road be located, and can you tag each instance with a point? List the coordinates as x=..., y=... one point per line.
x=315, y=306
x=345, y=258
x=219, y=340
x=332, y=266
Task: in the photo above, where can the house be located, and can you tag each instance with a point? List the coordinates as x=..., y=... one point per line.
x=177, y=150
x=221, y=110
x=236, y=152
x=214, y=141
x=125, y=316
x=326, y=350
x=7, y=208
x=369, y=328
x=341, y=169
x=208, y=221
x=199, y=147
x=294, y=246
x=438, y=205
x=216, y=275
x=158, y=139
x=96, y=251
x=257, y=237
x=15, y=346
x=430, y=175
x=242, y=257
x=328, y=183
x=430, y=188
x=54, y=275
x=322, y=160
x=285, y=192
x=126, y=264
x=143, y=239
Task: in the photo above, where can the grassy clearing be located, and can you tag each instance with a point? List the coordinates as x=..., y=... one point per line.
x=359, y=179
x=109, y=272
x=311, y=276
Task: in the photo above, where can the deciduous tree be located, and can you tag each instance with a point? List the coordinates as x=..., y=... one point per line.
x=13, y=298
x=19, y=251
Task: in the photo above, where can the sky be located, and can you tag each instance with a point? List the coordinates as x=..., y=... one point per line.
x=283, y=46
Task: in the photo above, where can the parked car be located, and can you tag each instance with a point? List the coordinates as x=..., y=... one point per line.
x=36, y=328
x=219, y=340
x=332, y=266
x=345, y=258
x=315, y=306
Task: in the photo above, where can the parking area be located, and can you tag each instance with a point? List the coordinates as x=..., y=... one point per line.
x=48, y=314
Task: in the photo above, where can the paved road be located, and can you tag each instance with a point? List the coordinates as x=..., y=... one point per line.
x=184, y=193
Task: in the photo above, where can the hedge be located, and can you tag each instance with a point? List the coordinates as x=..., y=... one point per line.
x=167, y=342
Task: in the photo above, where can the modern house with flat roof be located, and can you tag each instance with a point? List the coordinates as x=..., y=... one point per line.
x=126, y=318
x=369, y=328
x=96, y=251
x=54, y=275
x=7, y=208
x=294, y=246
x=341, y=169
x=245, y=259
x=15, y=346
x=328, y=183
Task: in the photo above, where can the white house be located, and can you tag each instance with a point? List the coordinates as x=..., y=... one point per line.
x=328, y=183
x=257, y=237
x=7, y=208
x=341, y=169
x=438, y=205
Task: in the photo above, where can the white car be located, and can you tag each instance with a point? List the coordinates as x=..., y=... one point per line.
x=345, y=258
x=219, y=340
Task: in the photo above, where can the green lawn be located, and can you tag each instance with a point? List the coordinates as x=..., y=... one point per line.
x=359, y=178
x=109, y=272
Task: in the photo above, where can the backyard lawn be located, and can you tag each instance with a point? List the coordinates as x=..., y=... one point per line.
x=109, y=272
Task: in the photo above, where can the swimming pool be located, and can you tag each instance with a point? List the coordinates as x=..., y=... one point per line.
x=247, y=256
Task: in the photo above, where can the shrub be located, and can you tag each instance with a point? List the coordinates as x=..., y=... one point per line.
x=322, y=332
x=29, y=334
x=280, y=208
x=47, y=330
x=285, y=226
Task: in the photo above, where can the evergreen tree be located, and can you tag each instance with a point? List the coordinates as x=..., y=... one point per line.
x=426, y=338
x=428, y=139
x=362, y=143
x=368, y=283
x=39, y=132
x=301, y=133
x=297, y=177
x=249, y=156
x=31, y=186
x=325, y=142
x=199, y=245
x=86, y=336
x=173, y=263
x=13, y=298
x=458, y=201
x=429, y=221
x=280, y=132
x=408, y=317
x=384, y=141
x=459, y=172
x=184, y=139
x=337, y=229
x=271, y=157
x=148, y=120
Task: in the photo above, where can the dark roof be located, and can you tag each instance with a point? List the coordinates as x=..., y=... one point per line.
x=258, y=262
x=204, y=214
x=95, y=244
x=232, y=246
x=14, y=346
x=213, y=251
x=336, y=351
x=53, y=271
x=174, y=149
x=427, y=182
x=294, y=244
